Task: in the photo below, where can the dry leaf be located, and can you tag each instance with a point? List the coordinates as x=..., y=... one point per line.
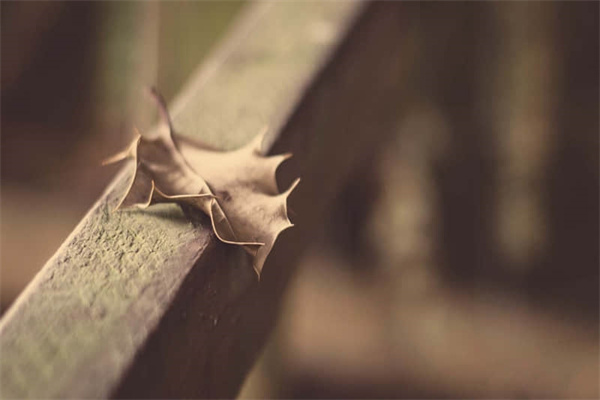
x=236, y=189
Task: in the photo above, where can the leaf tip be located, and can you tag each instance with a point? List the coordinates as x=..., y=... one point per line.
x=129, y=152
x=291, y=188
x=257, y=272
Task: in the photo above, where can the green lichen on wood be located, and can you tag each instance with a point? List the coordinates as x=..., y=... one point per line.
x=78, y=327
x=113, y=266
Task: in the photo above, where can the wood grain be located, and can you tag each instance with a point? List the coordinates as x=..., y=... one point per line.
x=150, y=304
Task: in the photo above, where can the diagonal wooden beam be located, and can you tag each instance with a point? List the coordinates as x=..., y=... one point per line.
x=150, y=304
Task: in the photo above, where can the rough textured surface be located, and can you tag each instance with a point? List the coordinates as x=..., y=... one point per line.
x=117, y=270
x=79, y=324
x=150, y=304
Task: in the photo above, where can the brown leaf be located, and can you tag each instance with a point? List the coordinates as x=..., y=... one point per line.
x=236, y=189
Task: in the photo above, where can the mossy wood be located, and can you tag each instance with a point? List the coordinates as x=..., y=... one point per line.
x=148, y=303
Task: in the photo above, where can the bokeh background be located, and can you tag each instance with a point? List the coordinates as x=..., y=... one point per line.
x=461, y=262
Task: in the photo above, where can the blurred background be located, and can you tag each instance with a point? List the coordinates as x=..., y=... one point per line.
x=461, y=262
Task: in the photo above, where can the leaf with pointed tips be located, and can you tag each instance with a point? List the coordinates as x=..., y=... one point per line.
x=236, y=189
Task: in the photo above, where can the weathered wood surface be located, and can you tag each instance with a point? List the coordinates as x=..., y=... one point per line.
x=150, y=304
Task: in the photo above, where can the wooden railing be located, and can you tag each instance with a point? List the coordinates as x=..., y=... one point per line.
x=150, y=304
